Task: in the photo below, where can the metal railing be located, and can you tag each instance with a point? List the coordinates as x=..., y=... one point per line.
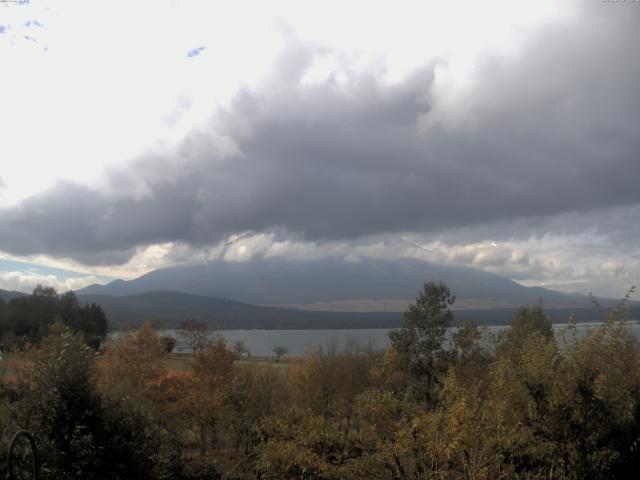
x=33, y=469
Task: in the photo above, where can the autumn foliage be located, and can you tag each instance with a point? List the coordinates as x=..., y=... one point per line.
x=526, y=404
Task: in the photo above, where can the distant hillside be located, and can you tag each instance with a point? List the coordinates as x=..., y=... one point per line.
x=8, y=295
x=302, y=284
x=168, y=309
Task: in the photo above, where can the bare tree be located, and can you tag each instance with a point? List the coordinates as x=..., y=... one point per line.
x=240, y=348
x=168, y=342
x=194, y=334
x=280, y=351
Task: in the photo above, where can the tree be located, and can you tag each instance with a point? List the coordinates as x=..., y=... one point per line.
x=256, y=391
x=280, y=350
x=471, y=360
x=79, y=434
x=194, y=334
x=419, y=342
x=31, y=316
x=327, y=380
x=212, y=368
x=168, y=342
x=59, y=401
x=133, y=361
x=89, y=319
x=528, y=322
x=240, y=348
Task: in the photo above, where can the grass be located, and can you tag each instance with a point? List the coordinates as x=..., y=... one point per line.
x=180, y=363
x=176, y=363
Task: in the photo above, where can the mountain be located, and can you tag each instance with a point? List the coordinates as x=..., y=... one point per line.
x=281, y=294
x=9, y=295
x=170, y=308
x=335, y=284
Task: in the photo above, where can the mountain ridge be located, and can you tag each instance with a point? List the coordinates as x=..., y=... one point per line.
x=168, y=309
x=8, y=295
x=276, y=282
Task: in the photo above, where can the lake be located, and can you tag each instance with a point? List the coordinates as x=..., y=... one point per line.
x=262, y=342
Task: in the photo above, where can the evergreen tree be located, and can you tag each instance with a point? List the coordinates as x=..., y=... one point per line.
x=419, y=342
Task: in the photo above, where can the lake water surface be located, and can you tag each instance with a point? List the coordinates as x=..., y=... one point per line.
x=262, y=342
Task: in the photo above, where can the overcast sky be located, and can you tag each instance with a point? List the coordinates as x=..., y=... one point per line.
x=503, y=135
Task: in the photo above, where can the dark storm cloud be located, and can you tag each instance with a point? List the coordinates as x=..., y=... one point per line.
x=551, y=132
x=76, y=221
x=620, y=225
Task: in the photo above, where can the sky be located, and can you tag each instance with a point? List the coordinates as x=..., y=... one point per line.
x=501, y=135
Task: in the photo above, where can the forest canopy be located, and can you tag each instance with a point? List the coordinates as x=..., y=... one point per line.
x=438, y=403
x=28, y=318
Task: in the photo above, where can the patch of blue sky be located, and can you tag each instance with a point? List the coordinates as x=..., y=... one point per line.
x=60, y=274
x=194, y=52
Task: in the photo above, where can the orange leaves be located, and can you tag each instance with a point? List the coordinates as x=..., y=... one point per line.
x=134, y=359
x=213, y=365
x=211, y=380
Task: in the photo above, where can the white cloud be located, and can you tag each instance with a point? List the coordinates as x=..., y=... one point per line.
x=90, y=91
x=117, y=76
x=569, y=263
x=242, y=248
x=145, y=259
x=27, y=281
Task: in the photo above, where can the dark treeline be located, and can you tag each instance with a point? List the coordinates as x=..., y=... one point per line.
x=522, y=405
x=28, y=318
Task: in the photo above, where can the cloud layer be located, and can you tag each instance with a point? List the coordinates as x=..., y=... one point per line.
x=26, y=282
x=538, y=144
